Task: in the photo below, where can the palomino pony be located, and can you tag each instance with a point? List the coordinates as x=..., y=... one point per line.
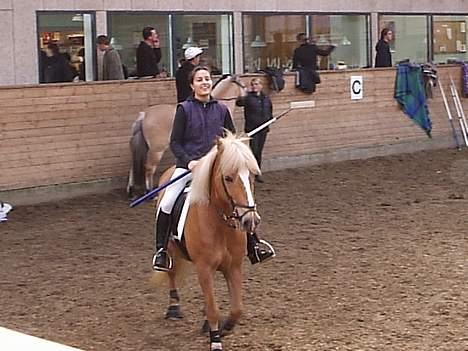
x=152, y=130
x=222, y=209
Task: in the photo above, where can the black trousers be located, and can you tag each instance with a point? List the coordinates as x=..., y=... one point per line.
x=256, y=145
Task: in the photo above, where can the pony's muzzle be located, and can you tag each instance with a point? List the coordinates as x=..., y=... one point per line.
x=250, y=221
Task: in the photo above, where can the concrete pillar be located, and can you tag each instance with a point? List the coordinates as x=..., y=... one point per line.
x=238, y=43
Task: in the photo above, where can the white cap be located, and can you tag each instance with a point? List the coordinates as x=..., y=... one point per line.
x=192, y=52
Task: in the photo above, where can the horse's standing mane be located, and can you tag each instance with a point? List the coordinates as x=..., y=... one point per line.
x=235, y=155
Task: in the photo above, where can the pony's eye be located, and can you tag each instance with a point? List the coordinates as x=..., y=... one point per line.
x=228, y=179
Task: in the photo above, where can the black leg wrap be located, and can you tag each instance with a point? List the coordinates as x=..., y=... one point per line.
x=215, y=336
x=174, y=295
x=215, y=341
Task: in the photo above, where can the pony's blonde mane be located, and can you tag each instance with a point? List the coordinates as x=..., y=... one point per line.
x=236, y=155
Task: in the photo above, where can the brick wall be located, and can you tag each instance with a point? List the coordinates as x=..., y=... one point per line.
x=72, y=133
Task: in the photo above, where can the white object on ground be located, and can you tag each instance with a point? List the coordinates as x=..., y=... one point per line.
x=15, y=341
x=4, y=209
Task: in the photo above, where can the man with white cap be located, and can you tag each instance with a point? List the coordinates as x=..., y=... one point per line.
x=192, y=59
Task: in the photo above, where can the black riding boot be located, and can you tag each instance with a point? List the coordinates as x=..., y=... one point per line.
x=161, y=259
x=258, y=250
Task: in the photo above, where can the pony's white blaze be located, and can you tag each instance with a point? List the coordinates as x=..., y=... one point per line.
x=244, y=176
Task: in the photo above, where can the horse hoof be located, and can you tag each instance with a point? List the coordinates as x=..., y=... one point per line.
x=173, y=313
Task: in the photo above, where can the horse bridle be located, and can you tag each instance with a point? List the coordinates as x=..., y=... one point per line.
x=234, y=219
x=235, y=81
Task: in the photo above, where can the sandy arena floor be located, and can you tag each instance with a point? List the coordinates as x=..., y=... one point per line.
x=371, y=256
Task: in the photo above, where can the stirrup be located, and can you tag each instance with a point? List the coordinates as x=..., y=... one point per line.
x=167, y=265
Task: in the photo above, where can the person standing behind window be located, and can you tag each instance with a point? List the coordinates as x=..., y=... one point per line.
x=57, y=68
x=148, y=54
x=258, y=109
x=305, y=55
x=305, y=62
x=111, y=63
x=192, y=59
x=383, y=57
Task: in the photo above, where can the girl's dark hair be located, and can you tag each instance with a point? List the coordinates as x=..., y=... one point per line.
x=195, y=70
x=384, y=32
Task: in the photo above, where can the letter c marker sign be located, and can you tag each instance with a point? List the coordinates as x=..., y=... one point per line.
x=356, y=87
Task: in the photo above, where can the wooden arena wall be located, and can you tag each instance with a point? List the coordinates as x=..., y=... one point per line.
x=78, y=132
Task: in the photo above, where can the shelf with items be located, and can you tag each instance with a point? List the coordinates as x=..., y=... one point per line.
x=449, y=37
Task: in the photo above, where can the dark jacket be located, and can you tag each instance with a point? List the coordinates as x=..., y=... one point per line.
x=57, y=70
x=383, y=57
x=182, y=81
x=147, y=60
x=196, y=126
x=306, y=55
x=258, y=109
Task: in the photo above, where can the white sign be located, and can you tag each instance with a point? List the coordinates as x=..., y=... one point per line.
x=356, y=87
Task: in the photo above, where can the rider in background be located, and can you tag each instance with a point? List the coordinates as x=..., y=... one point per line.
x=258, y=109
x=198, y=122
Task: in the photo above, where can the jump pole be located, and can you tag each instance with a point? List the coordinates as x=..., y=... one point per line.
x=449, y=114
x=459, y=108
x=293, y=105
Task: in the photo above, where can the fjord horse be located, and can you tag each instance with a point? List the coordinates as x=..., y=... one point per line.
x=222, y=209
x=152, y=130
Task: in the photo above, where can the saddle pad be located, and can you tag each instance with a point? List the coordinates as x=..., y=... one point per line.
x=179, y=214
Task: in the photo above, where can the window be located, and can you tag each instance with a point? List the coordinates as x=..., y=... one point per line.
x=125, y=31
x=449, y=35
x=409, y=37
x=270, y=40
x=73, y=34
x=350, y=35
x=212, y=33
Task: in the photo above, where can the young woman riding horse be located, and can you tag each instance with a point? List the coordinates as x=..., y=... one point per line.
x=198, y=122
x=221, y=210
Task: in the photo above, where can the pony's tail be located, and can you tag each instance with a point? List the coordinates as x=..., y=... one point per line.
x=139, y=149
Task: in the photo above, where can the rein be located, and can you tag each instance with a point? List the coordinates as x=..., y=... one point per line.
x=234, y=219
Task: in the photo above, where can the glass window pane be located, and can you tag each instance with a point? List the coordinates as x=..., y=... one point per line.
x=270, y=40
x=450, y=38
x=125, y=31
x=67, y=31
x=409, y=37
x=350, y=35
x=212, y=33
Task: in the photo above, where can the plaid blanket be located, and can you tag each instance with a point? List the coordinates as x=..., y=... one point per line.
x=410, y=94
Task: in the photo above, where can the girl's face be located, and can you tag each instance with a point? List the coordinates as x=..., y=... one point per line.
x=256, y=86
x=201, y=84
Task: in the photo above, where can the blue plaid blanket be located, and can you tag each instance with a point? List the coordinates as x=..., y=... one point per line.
x=410, y=94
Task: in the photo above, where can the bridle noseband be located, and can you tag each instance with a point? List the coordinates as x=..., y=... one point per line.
x=234, y=219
